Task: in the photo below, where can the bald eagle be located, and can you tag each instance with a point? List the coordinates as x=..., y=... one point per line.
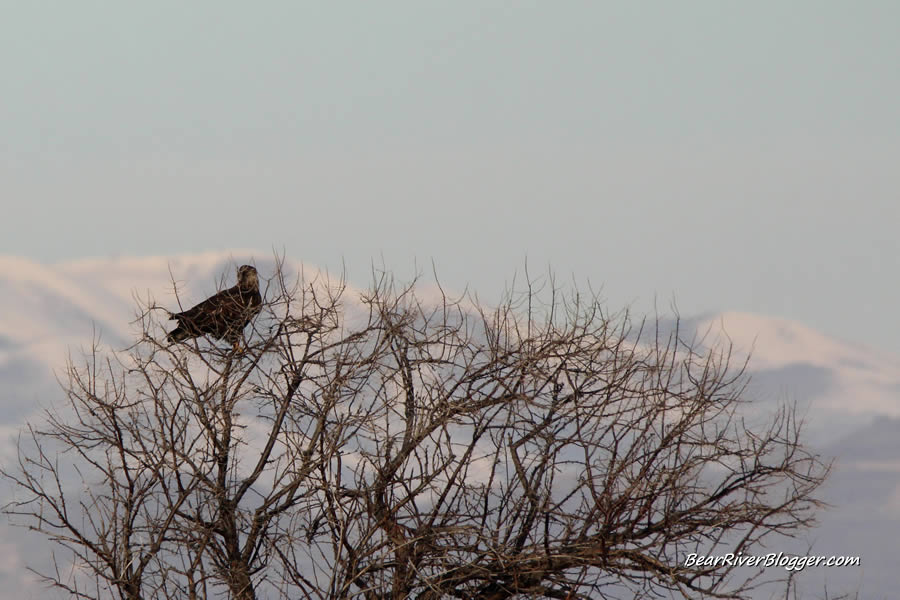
x=224, y=314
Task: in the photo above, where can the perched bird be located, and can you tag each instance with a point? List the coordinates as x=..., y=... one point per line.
x=223, y=315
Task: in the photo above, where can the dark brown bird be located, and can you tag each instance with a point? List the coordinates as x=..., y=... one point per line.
x=223, y=315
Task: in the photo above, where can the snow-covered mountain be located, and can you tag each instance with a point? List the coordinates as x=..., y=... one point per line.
x=849, y=394
x=838, y=385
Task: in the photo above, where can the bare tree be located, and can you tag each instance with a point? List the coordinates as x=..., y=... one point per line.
x=380, y=445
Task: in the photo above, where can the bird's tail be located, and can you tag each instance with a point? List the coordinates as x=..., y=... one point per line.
x=177, y=335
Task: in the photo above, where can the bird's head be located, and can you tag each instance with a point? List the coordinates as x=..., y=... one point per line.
x=247, y=278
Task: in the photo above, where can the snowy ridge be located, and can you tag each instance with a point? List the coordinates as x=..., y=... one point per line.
x=48, y=310
x=849, y=379
x=777, y=342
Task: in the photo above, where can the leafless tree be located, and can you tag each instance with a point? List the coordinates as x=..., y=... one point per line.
x=400, y=443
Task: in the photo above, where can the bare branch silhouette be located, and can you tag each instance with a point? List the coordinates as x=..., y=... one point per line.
x=379, y=445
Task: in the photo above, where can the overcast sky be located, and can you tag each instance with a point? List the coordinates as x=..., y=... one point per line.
x=727, y=155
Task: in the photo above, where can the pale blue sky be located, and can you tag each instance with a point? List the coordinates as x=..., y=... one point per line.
x=730, y=155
